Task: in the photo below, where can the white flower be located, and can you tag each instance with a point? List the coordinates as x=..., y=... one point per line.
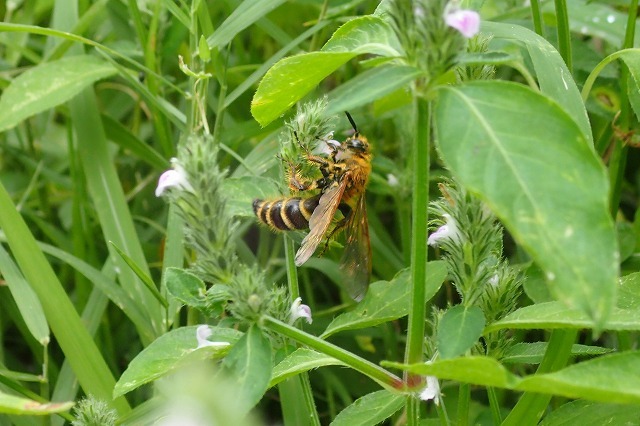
x=431, y=391
x=494, y=280
x=298, y=310
x=202, y=333
x=467, y=22
x=392, y=180
x=174, y=178
x=447, y=231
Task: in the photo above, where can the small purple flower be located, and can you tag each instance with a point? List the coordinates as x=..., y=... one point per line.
x=174, y=178
x=467, y=22
x=447, y=231
x=298, y=310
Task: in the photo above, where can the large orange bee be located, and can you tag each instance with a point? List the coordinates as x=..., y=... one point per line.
x=345, y=174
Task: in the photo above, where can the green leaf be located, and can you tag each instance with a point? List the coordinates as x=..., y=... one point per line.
x=610, y=378
x=185, y=286
x=386, y=301
x=629, y=292
x=365, y=34
x=556, y=315
x=546, y=185
x=371, y=409
x=249, y=363
x=370, y=86
x=168, y=352
x=10, y=404
x=301, y=360
x=478, y=370
x=532, y=353
x=26, y=299
x=554, y=77
x=145, y=278
x=290, y=79
x=588, y=413
x=459, y=329
x=48, y=85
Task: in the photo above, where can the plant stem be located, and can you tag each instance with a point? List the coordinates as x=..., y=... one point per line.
x=375, y=372
x=464, y=395
x=564, y=33
x=531, y=406
x=419, y=251
x=536, y=15
x=495, y=406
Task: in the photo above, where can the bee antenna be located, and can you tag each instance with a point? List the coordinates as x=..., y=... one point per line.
x=353, y=123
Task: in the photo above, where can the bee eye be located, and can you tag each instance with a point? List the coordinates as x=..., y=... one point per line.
x=358, y=144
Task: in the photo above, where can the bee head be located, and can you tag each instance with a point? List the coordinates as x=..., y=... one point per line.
x=358, y=144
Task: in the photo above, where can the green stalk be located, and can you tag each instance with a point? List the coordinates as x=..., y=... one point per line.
x=464, y=395
x=532, y=406
x=298, y=388
x=375, y=372
x=564, y=33
x=494, y=405
x=618, y=161
x=419, y=252
x=536, y=15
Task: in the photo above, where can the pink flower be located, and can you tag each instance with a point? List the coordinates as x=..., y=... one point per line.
x=298, y=310
x=464, y=20
x=174, y=178
x=447, y=231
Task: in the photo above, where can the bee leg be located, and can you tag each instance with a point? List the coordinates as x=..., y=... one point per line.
x=346, y=211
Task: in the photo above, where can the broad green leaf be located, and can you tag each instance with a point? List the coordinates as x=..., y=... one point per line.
x=556, y=315
x=459, y=329
x=589, y=413
x=631, y=58
x=290, y=79
x=371, y=409
x=599, y=20
x=370, y=86
x=365, y=34
x=554, y=77
x=303, y=359
x=168, y=352
x=609, y=378
x=249, y=364
x=10, y=404
x=244, y=15
x=25, y=298
x=546, y=185
x=532, y=353
x=629, y=292
x=478, y=370
x=185, y=286
x=48, y=85
x=386, y=301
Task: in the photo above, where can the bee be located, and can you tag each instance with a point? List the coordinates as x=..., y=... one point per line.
x=345, y=174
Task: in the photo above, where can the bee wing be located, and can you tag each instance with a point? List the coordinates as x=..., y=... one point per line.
x=320, y=220
x=356, y=259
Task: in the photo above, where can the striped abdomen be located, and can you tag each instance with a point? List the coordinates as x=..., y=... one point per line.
x=286, y=214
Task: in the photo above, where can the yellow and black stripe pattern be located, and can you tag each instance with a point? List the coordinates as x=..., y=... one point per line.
x=286, y=214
